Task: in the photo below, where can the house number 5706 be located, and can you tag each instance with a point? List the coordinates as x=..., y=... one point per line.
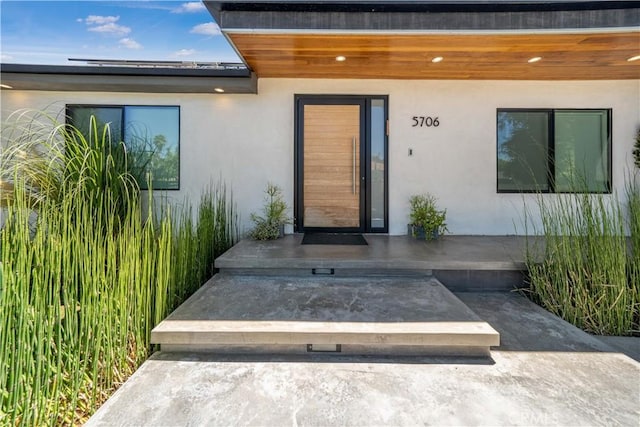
x=425, y=121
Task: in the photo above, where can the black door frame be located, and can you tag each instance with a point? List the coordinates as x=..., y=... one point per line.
x=365, y=161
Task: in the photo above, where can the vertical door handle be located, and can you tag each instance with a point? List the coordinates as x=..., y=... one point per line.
x=353, y=177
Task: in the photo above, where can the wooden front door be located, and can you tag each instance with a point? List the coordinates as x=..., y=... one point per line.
x=341, y=171
x=331, y=167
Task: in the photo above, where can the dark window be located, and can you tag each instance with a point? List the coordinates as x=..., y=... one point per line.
x=150, y=133
x=554, y=150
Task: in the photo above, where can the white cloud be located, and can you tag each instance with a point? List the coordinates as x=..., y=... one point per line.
x=101, y=20
x=79, y=20
x=130, y=43
x=190, y=7
x=208, y=29
x=106, y=25
x=111, y=28
x=4, y=57
x=184, y=52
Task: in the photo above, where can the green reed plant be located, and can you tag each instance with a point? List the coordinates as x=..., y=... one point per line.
x=584, y=274
x=217, y=227
x=636, y=150
x=49, y=157
x=33, y=149
x=632, y=190
x=85, y=275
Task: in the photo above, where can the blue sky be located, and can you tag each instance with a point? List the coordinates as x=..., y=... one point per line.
x=50, y=32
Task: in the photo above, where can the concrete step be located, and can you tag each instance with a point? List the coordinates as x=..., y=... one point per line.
x=297, y=337
x=295, y=315
x=462, y=263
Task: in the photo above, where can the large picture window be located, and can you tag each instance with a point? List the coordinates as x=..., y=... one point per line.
x=554, y=150
x=150, y=133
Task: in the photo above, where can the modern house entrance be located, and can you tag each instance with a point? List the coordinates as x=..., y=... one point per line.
x=341, y=163
x=489, y=102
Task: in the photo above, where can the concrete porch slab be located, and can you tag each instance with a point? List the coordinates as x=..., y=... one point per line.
x=252, y=314
x=382, y=253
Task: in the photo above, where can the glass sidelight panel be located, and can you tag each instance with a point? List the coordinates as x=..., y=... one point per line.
x=378, y=161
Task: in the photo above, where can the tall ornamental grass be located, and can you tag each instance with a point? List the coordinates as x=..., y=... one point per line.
x=85, y=274
x=633, y=200
x=589, y=272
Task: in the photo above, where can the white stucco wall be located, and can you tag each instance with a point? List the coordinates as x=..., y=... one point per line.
x=249, y=139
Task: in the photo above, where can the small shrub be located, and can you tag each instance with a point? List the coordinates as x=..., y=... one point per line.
x=268, y=226
x=424, y=213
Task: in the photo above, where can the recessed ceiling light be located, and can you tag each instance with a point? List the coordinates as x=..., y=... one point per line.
x=437, y=59
x=218, y=89
x=534, y=59
x=341, y=58
x=3, y=86
x=634, y=58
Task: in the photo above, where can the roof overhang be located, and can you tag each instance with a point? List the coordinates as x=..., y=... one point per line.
x=412, y=15
x=577, y=40
x=126, y=79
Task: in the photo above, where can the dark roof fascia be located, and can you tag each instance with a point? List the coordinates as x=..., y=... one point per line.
x=121, y=71
x=401, y=15
x=479, y=6
x=125, y=79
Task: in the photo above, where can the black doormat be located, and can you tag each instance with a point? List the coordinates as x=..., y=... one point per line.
x=333, y=239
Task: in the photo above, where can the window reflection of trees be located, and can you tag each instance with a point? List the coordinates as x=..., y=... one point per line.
x=151, y=157
x=522, y=151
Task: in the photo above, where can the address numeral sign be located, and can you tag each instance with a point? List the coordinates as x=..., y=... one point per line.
x=425, y=121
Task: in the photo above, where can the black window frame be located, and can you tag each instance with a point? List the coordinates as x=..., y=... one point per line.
x=551, y=167
x=123, y=107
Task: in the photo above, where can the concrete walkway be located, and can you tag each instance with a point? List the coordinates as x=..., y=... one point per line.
x=546, y=372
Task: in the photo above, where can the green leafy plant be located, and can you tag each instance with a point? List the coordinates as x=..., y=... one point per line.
x=425, y=216
x=270, y=224
x=636, y=150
